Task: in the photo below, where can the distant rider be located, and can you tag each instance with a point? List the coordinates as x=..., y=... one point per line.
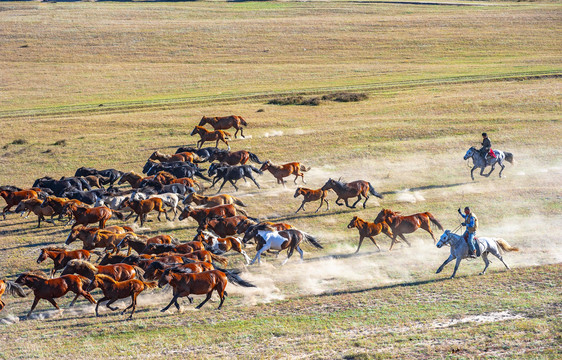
x=486, y=147
x=471, y=223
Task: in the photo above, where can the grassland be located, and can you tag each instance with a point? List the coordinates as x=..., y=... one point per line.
x=436, y=77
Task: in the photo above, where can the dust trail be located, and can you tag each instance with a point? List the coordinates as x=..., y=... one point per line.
x=273, y=133
x=408, y=196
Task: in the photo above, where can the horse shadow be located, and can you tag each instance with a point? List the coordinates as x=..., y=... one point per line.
x=384, y=287
x=428, y=187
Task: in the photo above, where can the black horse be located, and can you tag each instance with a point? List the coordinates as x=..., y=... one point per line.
x=203, y=153
x=179, y=169
x=232, y=174
x=107, y=176
x=158, y=188
x=87, y=197
x=152, y=167
x=61, y=186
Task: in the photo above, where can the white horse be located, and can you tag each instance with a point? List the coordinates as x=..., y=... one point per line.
x=480, y=161
x=459, y=249
x=272, y=240
x=170, y=199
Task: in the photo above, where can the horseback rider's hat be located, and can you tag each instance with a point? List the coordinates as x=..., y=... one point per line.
x=484, y=134
x=467, y=209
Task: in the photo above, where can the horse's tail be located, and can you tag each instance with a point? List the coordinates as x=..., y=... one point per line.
x=233, y=277
x=150, y=285
x=242, y=121
x=238, y=202
x=505, y=246
x=15, y=289
x=254, y=158
x=140, y=273
x=304, y=168
x=213, y=250
x=509, y=157
x=242, y=211
x=312, y=240
x=199, y=174
x=220, y=259
x=256, y=170
x=373, y=192
x=227, y=135
x=434, y=220
x=128, y=228
x=119, y=214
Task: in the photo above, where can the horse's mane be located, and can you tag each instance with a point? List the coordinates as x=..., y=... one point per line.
x=80, y=264
x=106, y=277
x=54, y=248
x=265, y=227
x=36, y=273
x=180, y=270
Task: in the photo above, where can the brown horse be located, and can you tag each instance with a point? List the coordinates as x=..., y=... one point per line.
x=183, y=156
x=212, y=201
x=87, y=234
x=50, y=289
x=351, y=189
x=188, y=182
x=281, y=171
x=240, y=157
x=58, y=204
x=119, y=272
x=186, y=283
x=407, y=224
x=164, y=177
x=156, y=268
x=367, y=229
x=61, y=257
x=207, y=135
x=200, y=215
x=204, y=255
x=13, y=198
x=133, y=179
x=223, y=227
x=12, y=288
x=225, y=122
x=219, y=245
x=114, y=290
x=108, y=240
x=270, y=239
x=184, y=248
x=84, y=216
x=140, y=243
x=34, y=205
x=143, y=207
x=312, y=195
x=247, y=224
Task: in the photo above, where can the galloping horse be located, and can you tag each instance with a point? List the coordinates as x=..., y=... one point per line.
x=312, y=195
x=222, y=226
x=281, y=171
x=119, y=272
x=85, y=216
x=87, y=234
x=225, y=122
x=407, y=224
x=114, y=290
x=212, y=201
x=248, y=224
x=183, y=156
x=459, y=249
x=34, y=205
x=156, y=268
x=133, y=179
x=351, y=189
x=185, y=248
x=50, y=289
x=207, y=135
x=12, y=288
x=13, y=198
x=232, y=174
x=234, y=158
x=367, y=229
x=480, y=161
x=219, y=245
x=61, y=257
x=57, y=204
x=200, y=215
x=268, y=238
x=143, y=207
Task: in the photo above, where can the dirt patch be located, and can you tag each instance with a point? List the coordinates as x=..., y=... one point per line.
x=484, y=318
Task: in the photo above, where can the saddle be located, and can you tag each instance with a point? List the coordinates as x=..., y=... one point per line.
x=490, y=155
x=476, y=243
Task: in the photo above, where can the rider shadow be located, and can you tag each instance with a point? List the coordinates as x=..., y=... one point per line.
x=428, y=187
x=385, y=287
x=341, y=256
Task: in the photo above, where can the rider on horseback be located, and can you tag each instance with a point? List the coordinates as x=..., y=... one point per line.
x=486, y=149
x=471, y=223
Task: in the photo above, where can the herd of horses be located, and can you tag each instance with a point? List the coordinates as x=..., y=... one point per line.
x=175, y=183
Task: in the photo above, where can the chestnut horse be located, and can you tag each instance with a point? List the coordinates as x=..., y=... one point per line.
x=183, y=156
x=84, y=216
x=351, y=189
x=87, y=234
x=234, y=158
x=407, y=224
x=219, y=245
x=222, y=226
x=212, y=201
x=367, y=229
x=200, y=215
x=281, y=171
x=12, y=288
x=207, y=135
x=61, y=257
x=156, y=268
x=34, y=205
x=186, y=248
x=225, y=122
x=119, y=272
x=108, y=240
x=140, y=243
x=13, y=198
x=114, y=290
x=312, y=195
x=50, y=289
x=133, y=179
x=143, y=207
x=58, y=204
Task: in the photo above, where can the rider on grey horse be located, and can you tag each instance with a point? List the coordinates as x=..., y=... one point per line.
x=486, y=147
x=471, y=223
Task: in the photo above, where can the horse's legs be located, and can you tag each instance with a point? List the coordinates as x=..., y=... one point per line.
x=220, y=188
x=337, y=203
x=427, y=228
x=300, y=252
x=206, y=299
x=346, y=203
x=111, y=302
x=174, y=300
x=52, y=301
x=492, y=169
x=246, y=257
x=289, y=254
x=365, y=202
x=360, y=242
x=456, y=266
x=393, y=241
x=486, y=262
x=233, y=184
x=74, y=300
x=355, y=203
x=236, y=133
x=35, y=301
x=255, y=182
x=503, y=167
x=242, y=131
x=302, y=207
x=374, y=242
x=499, y=256
x=451, y=257
x=99, y=302
x=403, y=238
x=472, y=172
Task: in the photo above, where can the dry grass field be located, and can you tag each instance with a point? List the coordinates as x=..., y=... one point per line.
x=105, y=84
